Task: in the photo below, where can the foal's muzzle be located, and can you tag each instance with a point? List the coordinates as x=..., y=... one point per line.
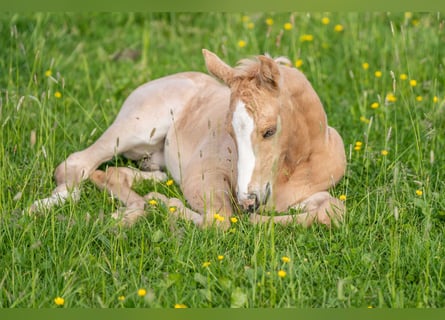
x=254, y=200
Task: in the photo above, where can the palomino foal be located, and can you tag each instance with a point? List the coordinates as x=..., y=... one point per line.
x=260, y=137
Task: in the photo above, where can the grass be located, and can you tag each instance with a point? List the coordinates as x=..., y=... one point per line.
x=65, y=76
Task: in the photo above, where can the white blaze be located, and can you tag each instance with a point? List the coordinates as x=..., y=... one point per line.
x=243, y=126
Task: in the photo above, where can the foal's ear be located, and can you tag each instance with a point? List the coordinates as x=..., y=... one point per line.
x=217, y=67
x=268, y=75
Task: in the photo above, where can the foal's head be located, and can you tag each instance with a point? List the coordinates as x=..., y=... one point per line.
x=254, y=122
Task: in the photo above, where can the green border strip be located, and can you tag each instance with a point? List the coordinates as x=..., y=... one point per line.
x=214, y=314
x=226, y=5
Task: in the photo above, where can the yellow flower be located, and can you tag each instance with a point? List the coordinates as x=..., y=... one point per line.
x=245, y=18
x=58, y=95
x=415, y=22
x=338, y=28
x=358, y=143
x=242, y=43
x=342, y=197
x=180, y=306
x=172, y=209
x=169, y=182
x=269, y=21
x=234, y=219
x=413, y=83
x=142, y=292
x=48, y=73
x=419, y=98
x=250, y=25
x=218, y=217
x=306, y=38
x=325, y=20
x=374, y=105
x=390, y=97
x=152, y=202
x=59, y=301
x=419, y=192
x=408, y=15
x=220, y=257
x=282, y=273
x=384, y=153
x=287, y=26
x=298, y=63
x=285, y=259
x=403, y=76
x=206, y=264
x=364, y=119
x=121, y=298
x=378, y=74
x=365, y=65
x=435, y=99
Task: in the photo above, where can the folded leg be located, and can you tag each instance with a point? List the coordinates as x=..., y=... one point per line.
x=321, y=208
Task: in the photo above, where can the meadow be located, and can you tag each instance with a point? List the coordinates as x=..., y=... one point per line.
x=380, y=76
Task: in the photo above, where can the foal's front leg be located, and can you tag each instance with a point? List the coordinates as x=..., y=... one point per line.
x=321, y=207
x=118, y=182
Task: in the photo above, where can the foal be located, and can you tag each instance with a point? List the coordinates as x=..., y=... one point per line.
x=259, y=135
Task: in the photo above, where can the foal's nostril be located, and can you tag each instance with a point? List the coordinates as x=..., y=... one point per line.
x=252, y=202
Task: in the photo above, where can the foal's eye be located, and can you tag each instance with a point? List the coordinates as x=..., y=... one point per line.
x=269, y=133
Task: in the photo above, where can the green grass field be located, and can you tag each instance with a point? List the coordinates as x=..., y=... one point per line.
x=63, y=78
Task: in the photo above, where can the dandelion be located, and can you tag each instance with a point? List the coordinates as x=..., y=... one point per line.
x=58, y=95
x=169, y=182
x=121, y=298
x=325, y=20
x=435, y=99
x=180, y=306
x=245, y=18
x=298, y=63
x=152, y=202
x=413, y=83
x=218, y=217
x=378, y=74
x=234, y=219
x=365, y=66
x=306, y=38
x=250, y=25
x=364, y=119
x=206, y=264
x=242, y=43
x=403, y=77
x=220, y=257
x=282, y=273
x=287, y=26
x=342, y=197
x=269, y=21
x=419, y=192
x=338, y=28
x=285, y=259
x=172, y=209
x=59, y=301
x=142, y=292
x=384, y=153
x=358, y=146
x=374, y=105
x=419, y=98
x=415, y=22
x=390, y=97
x=48, y=73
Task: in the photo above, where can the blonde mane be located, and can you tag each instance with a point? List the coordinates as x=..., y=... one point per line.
x=250, y=67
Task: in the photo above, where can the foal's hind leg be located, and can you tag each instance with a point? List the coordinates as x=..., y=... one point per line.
x=320, y=208
x=118, y=182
